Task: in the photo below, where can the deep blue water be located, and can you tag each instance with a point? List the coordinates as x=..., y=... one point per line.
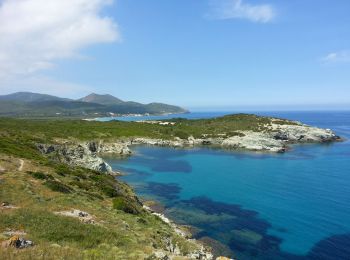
x=256, y=206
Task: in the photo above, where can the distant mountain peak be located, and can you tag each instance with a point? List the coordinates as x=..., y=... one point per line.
x=103, y=99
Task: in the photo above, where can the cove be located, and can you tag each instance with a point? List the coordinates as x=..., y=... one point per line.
x=252, y=205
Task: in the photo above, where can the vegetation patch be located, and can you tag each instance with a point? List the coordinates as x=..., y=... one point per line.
x=57, y=186
x=120, y=203
x=182, y=134
x=40, y=175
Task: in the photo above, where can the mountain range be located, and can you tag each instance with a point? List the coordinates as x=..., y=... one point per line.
x=27, y=104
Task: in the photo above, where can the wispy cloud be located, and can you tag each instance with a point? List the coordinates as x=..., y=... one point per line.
x=239, y=9
x=337, y=57
x=36, y=33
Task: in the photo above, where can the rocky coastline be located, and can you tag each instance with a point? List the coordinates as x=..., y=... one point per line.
x=202, y=253
x=276, y=138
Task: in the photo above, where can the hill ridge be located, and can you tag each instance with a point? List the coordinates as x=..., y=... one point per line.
x=29, y=104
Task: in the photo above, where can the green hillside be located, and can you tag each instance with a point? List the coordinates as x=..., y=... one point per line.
x=25, y=104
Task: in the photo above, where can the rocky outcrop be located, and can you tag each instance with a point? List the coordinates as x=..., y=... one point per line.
x=76, y=213
x=118, y=147
x=172, y=250
x=301, y=133
x=84, y=154
x=254, y=141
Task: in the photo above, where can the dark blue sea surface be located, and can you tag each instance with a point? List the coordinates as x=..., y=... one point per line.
x=253, y=205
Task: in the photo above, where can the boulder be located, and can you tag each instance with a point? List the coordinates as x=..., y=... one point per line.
x=17, y=242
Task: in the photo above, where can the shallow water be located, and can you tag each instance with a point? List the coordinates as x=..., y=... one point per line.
x=257, y=206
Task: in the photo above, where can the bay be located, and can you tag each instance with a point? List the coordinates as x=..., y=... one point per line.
x=255, y=206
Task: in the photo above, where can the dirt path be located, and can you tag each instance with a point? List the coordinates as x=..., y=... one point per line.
x=21, y=164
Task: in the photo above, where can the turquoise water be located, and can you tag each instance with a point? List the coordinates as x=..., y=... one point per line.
x=256, y=206
x=195, y=115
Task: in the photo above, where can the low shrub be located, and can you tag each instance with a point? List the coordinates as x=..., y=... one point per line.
x=40, y=175
x=57, y=186
x=121, y=203
x=182, y=134
x=82, y=185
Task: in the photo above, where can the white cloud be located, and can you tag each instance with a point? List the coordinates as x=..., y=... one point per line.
x=337, y=57
x=238, y=9
x=36, y=33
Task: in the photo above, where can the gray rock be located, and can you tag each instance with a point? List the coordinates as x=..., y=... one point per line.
x=22, y=243
x=77, y=155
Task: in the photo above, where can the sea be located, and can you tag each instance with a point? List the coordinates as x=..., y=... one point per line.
x=250, y=205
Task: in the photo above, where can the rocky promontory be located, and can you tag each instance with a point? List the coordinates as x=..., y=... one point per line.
x=274, y=137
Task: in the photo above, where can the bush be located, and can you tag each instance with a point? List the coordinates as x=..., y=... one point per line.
x=82, y=185
x=57, y=186
x=120, y=203
x=182, y=134
x=39, y=175
x=105, y=183
x=108, y=191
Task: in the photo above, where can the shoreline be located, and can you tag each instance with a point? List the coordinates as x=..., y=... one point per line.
x=113, y=118
x=279, y=139
x=185, y=230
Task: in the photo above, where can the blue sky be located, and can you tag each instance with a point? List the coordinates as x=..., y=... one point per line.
x=199, y=53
